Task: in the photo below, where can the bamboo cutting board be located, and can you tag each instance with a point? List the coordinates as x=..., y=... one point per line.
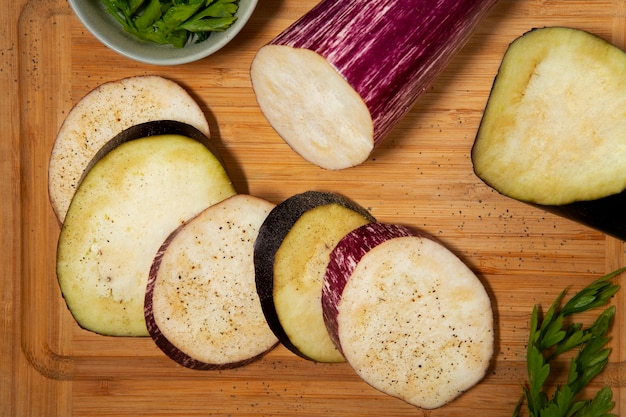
x=421, y=177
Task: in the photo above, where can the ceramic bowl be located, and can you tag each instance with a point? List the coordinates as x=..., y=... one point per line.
x=105, y=28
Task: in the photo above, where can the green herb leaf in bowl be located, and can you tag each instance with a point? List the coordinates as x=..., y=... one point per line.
x=175, y=22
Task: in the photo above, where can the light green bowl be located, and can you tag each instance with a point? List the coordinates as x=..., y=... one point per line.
x=105, y=28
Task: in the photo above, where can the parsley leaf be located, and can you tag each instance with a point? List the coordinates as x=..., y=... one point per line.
x=551, y=336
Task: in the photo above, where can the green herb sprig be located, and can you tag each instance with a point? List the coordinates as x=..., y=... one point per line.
x=551, y=337
x=174, y=22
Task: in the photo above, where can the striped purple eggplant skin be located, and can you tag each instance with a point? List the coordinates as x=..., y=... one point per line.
x=388, y=51
x=343, y=260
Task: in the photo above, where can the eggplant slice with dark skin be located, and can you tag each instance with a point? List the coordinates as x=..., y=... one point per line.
x=553, y=133
x=290, y=256
x=131, y=199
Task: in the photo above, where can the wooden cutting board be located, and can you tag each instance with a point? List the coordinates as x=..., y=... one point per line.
x=421, y=177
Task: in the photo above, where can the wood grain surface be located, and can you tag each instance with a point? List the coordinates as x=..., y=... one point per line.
x=421, y=177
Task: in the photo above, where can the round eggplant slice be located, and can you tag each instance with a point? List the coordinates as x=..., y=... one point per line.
x=408, y=315
x=126, y=206
x=291, y=254
x=201, y=307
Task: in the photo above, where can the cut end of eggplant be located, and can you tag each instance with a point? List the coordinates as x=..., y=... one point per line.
x=335, y=82
x=202, y=308
x=312, y=107
x=554, y=128
x=291, y=255
x=410, y=317
x=104, y=113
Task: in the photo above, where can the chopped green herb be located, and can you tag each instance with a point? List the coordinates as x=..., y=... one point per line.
x=174, y=22
x=551, y=336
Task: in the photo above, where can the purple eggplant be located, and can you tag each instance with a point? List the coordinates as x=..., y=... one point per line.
x=335, y=82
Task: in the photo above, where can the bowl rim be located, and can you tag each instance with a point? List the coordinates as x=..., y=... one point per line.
x=100, y=24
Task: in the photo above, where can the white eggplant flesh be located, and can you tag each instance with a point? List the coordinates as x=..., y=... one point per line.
x=408, y=315
x=335, y=82
x=201, y=304
x=104, y=113
x=126, y=206
x=553, y=133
